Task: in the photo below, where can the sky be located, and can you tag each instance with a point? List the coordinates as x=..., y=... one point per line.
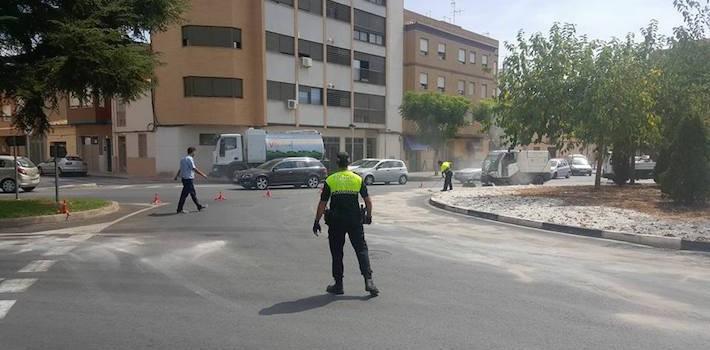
x=599, y=19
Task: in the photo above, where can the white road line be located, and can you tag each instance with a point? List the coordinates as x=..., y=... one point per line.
x=38, y=266
x=16, y=285
x=59, y=250
x=5, y=306
x=155, y=186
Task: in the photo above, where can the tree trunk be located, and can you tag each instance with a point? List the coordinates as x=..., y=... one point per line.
x=601, y=153
x=632, y=166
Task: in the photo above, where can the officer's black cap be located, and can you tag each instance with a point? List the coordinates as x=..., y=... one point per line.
x=343, y=159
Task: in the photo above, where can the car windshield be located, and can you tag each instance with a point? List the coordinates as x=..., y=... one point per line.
x=25, y=163
x=553, y=163
x=359, y=162
x=579, y=161
x=268, y=165
x=369, y=164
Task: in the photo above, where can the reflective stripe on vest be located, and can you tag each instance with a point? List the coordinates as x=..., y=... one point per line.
x=344, y=182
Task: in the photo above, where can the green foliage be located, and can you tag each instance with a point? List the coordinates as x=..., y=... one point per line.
x=687, y=177
x=39, y=207
x=51, y=49
x=437, y=117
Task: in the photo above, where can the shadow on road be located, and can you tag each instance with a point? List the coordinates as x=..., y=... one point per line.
x=305, y=304
x=160, y=215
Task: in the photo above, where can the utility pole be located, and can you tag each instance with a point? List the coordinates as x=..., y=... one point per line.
x=17, y=183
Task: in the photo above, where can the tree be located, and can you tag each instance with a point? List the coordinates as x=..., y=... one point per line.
x=51, y=49
x=437, y=117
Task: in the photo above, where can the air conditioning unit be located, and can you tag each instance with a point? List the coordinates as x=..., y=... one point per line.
x=306, y=62
x=291, y=104
x=331, y=86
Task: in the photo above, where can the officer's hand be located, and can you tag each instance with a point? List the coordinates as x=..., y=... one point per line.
x=316, y=228
x=368, y=219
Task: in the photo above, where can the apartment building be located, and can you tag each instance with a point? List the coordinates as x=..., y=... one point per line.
x=329, y=65
x=442, y=57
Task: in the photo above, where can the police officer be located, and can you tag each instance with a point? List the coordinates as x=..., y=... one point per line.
x=346, y=217
x=447, y=173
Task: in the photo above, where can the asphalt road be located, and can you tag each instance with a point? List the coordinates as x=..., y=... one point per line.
x=248, y=274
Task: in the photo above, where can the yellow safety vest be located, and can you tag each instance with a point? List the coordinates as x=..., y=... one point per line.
x=344, y=182
x=445, y=166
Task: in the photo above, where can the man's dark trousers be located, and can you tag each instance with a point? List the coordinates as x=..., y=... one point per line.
x=336, y=238
x=188, y=188
x=447, y=180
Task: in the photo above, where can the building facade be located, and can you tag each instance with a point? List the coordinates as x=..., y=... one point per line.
x=334, y=66
x=445, y=58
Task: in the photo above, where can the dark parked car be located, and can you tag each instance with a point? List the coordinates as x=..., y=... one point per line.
x=296, y=171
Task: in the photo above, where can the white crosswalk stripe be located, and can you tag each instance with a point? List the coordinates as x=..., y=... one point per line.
x=16, y=285
x=38, y=266
x=59, y=250
x=5, y=306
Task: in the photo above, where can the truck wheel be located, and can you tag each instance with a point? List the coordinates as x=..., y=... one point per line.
x=235, y=173
x=539, y=180
x=313, y=182
x=554, y=176
x=8, y=186
x=262, y=183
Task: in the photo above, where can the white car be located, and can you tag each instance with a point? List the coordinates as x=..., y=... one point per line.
x=383, y=170
x=66, y=165
x=560, y=168
x=360, y=162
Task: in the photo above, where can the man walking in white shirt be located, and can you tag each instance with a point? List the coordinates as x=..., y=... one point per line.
x=187, y=173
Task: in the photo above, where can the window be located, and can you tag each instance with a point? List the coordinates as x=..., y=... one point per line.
x=371, y=147
x=212, y=36
x=79, y=102
x=208, y=139
x=472, y=57
x=337, y=11
x=338, y=98
x=278, y=91
x=484, y=90
x=442, y=51
x=279, y=43
x=378, y=2
x=310, y=95
x=312, y=6
x=284, y=2
x=424, y=81
x=460, y=87
x=471, y=88
x=369, y=108
x=369, y=68
x=338, y=55
x=424, y=46
x=310, y=49
x=441, y=84
x=369, y=28
x=142, y=146
x=332, y=148
x=357, y=150
x=213, y=87
x=484, y=60
x=120, y=113
x=462, y=56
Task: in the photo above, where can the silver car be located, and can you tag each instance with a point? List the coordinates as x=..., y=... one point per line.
x=559, y=168
x=383, y=170
x=27, y=174
x=66, y=165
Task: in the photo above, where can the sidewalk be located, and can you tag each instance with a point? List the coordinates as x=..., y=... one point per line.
x=423, y=176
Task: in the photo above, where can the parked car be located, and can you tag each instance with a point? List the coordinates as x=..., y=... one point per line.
x=295, y=171
x=383, y=170
x=559, y=168
x=27, y=174
x=66, y=165
x=579, y=165
x=468, y=175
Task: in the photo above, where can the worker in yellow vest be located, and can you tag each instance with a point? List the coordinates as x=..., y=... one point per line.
x=346, y=216
x=447, y=173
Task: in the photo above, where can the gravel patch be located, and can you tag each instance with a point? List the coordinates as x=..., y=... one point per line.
x=505, y=201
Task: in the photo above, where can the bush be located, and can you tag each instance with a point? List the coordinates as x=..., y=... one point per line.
x=620, y=162
x=687, y=175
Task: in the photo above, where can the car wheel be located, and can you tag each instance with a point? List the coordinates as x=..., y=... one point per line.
x=262, y=183
x=403, y=180
x=41, y=172
x=554, y=176
x=234, y=178
x=567, y=176
x=313, y=182
x=8, y=186
x=28, y=189
x=369, y=180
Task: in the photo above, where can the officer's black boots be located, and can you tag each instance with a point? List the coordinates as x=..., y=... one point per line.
x=370, y=287
x=336, y=288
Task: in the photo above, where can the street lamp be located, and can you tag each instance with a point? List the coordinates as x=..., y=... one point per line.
x=352, y=141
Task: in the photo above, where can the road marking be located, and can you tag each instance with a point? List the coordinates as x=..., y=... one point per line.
x=155, y=186
x=16, y=285
x=38, y=266
x=59, y=250
x=5, y=306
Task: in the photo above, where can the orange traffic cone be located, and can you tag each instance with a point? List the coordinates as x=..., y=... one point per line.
x=156, y=199
x=220, y=197
x=268, y=193
x=64, y=208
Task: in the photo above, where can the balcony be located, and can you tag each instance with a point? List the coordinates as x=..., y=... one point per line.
x=368, y=76
x=369, y=116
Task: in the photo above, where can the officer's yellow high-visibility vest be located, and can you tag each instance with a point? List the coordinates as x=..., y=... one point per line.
x=445, y=166
x=344, y=182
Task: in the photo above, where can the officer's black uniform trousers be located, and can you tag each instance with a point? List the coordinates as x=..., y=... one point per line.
x=336, y=238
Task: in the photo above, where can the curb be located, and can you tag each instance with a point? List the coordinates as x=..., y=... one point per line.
x=49, y=219
x=648, y=240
